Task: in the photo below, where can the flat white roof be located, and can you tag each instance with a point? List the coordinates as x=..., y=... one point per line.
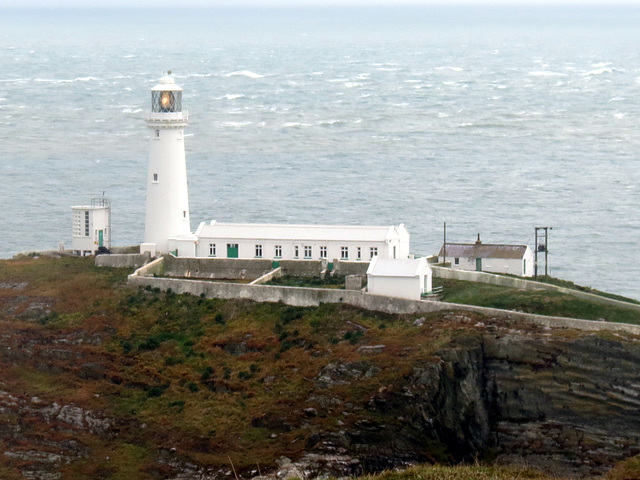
x=268, y=231
x=395, y=267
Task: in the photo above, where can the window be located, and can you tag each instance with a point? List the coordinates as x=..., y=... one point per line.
x=296, y=252
x=212, y=249
x=157, y=133
x=344, y=253
x=155, y=177
x=323, y=252
x=456, y=261
x=373, y=252
x=184, y=214
x=307, y=251
x=86, y=223
x=278, y=251
x=258, y=251
x=359, y=254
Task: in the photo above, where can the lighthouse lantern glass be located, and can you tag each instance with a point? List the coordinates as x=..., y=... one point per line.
x=166, y=101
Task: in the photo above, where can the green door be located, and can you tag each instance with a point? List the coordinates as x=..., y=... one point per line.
x=232, y=250
x=101, y=238
x=478, y=264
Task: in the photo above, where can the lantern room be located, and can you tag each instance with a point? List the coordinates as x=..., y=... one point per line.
x=166, y=97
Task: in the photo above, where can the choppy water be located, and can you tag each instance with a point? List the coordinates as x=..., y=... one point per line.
x=494, y=121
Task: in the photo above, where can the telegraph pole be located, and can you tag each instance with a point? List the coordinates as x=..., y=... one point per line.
x=542, y=245
x=444, y=247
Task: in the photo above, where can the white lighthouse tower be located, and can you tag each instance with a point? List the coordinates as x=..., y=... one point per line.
x=167, y=217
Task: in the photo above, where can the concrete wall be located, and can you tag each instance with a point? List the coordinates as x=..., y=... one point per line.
x=122, y=260
x=277, y=273
x=310, y=297
x=217, y=268
x=350, y=268
x=301, y=268
x=500, y=280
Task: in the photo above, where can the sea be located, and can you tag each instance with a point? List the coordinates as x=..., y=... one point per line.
x=495, y=120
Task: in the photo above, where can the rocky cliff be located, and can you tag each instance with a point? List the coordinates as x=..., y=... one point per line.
x=99, y=381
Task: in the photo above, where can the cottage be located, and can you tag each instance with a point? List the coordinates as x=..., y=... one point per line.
x=403, y=278
x=481, y=257
x=304, y=242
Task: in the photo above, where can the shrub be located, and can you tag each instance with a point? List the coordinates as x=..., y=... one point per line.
x=193, y=388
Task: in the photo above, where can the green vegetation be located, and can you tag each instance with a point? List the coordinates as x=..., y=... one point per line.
x=477, y=472
x=208, y=380
x=567, y=284
x=539, y=302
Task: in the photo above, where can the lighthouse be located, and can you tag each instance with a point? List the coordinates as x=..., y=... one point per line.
x=167, y=213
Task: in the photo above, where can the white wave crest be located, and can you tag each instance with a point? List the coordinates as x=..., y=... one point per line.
x=244, y=73
x=236, y=124
x=233, y=96
x=352, y=84
x=453, y=69
x=599, y=71
x=330, y=122
x=546, y=73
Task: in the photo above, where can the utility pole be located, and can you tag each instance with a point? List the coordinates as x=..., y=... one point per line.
x=541, y=245
x=444, y=245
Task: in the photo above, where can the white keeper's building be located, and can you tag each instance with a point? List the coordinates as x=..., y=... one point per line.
x=295, y=242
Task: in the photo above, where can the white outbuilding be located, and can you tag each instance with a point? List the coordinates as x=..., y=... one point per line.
x=304, y=242
x=91, y=226
x=402, y=278
x=485, y=257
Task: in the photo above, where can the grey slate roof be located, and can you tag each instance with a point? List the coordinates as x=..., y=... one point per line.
x=482, y=250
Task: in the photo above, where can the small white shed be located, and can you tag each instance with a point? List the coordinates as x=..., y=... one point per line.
x=91, y=226
x=402, y=278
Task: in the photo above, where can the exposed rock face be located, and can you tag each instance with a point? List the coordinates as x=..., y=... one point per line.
x=566, y=406
x=572, y=406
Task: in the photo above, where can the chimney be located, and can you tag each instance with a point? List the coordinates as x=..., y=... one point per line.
x=478, y=242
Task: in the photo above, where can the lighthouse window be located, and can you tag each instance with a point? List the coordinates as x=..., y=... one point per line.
x=155, y=177
x=86, y=223
x=184, y=214
x=157, y=133
x=166, y=102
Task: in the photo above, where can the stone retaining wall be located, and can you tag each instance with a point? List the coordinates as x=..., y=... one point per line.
x=122, y=260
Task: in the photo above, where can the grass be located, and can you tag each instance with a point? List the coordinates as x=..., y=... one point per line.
x=571, y=285
x=538, y=302
x=477, y=472
x=205, y=379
